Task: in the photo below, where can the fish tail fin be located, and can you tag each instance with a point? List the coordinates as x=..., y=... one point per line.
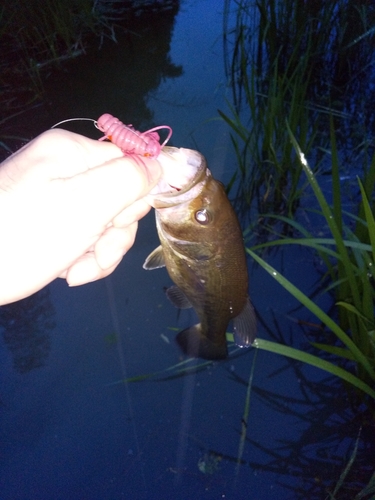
x=193, y=343
x=245, y=326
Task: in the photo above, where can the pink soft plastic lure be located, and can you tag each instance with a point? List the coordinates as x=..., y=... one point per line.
x=129, y=140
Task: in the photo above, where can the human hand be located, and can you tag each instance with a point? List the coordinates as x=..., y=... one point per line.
x=69, y=208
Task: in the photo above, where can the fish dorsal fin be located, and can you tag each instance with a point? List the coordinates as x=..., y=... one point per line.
x=178, y=298
x=245, y=326
x=155, y=260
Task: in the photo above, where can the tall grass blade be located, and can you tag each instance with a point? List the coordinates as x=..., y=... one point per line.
x=319, y=313
x=315, y=361
x=369, y=219
x=335, y=230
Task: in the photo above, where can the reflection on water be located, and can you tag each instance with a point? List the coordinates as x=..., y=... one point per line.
x=115, y=78
x=26, y=327
x=65, y=430
x=338, y=436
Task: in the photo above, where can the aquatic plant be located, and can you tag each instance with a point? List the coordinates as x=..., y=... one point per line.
x=299, y=61
x=36, y=34
x=288, y=63
x=349, y=256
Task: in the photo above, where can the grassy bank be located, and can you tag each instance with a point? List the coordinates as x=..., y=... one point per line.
x=37, y=35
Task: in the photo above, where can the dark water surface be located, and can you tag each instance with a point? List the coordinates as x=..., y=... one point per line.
x=66, y=429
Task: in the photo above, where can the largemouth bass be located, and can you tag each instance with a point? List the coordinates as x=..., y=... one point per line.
x=203, y=251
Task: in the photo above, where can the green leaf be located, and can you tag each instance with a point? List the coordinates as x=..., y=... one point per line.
x=310, y=359
x=369, y=219
x=332, y=349
x=334, y=228
x=353, y=310
x=327, y=320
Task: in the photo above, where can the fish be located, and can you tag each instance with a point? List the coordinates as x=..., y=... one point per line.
x=203, y=251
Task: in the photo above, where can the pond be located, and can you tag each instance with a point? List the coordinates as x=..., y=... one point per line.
x=70, y=427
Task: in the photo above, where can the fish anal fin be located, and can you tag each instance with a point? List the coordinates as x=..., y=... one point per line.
x=178, y=298
x=245, y=326
x=155, y=260
x=193, y=343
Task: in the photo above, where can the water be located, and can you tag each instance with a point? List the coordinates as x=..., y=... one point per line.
x=67, y=430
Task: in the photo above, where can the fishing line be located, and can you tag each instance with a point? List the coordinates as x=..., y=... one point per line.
x=75, y=120
x=186, y=411
x=120, y=350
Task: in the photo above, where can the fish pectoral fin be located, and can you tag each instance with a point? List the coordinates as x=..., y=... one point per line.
x=178, y=298
x=245, y=326
x=155, y=259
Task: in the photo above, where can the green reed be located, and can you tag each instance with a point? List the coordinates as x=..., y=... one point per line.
x=39, y=33
x=348, y=251
x=290, y=61
x=301, y=63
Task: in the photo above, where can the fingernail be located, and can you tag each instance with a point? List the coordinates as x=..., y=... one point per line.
x=83, y=272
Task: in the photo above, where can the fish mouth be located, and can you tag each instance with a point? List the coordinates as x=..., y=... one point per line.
x=184, y=172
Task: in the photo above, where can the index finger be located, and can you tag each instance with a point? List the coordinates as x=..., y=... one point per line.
x=102, y=192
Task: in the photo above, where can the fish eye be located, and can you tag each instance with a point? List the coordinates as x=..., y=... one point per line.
x=203, y=216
